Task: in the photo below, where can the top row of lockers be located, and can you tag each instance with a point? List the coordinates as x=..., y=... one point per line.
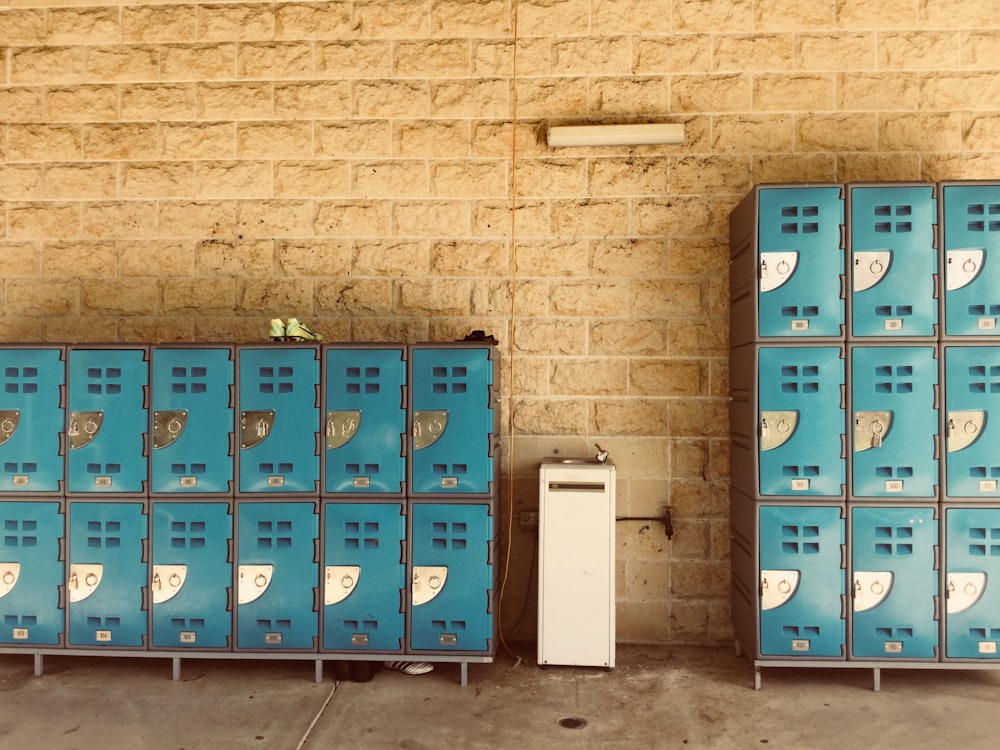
x=269, y=420
x=834, y=261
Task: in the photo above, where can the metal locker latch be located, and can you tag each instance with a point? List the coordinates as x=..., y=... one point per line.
x=167, y=582
x=776, y=269
x=168, y=426
x=9, y=420
x=83, y=581
x=777, y=587
x=870, y=267
x=963, y=266
x=341, y=580
x=253, y=582
x=255, y=426
x=964, y=590
x=964, y=428
x=428, y=426
x=777, y=428
x=83, y=427
x=870, y=588
x=871, y=429
x=9, y=573
x=428, y=581
x=341, y=426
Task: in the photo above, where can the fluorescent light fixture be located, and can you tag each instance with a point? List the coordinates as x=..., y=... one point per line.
x=615, y=135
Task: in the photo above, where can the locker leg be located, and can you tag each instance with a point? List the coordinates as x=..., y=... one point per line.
x=38, y=665
x=176, y=668
x=465, y=673
x=319, y=670
x=877, y=679
x=756, y=678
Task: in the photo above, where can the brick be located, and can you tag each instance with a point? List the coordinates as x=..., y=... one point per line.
x=853, y=14
x=312, y=258
x=665, y=377
x=457, y=179
x=244, y=22
x=355, y=59
x=636, y=417
x=355, y=297
x=554, y=258
x=550, y=337
x=236, y=101
x=473, y=18
x=232, y=179
x=428, y=298
x=802, y=15
x=913, y=132
x=155, y=258
x=20, y=259
x=468, y=258
x=320, y=179
x=629, y=337
x=836, y=51
x=392, y=19
x=196, y=219
x=123, y=63
x=23, y=27
x=753, y=134
x=591, y=56
x=312, y=99
x=720, y=92
x=83, y=25
x=549, y=417
x=429, y=139
x=919, y=51
x=595, y=218
x=275, y=296
x=764, y=52
x=41, y=298
x=393, y=259
x=47, y=65
x=878, y=91
x=571, y=17
x=159, y=24
x=252, y=259
x=691, y=53
x=357, y=139
x=669, y=298
x=647, y=578
x=697, y=15
x=21, y=182
x=198, y=141
x=391, y=99
x=981, y=132
x=81, y=181
x=794, y=167
x=978, y=49
x=836, y=132
x=590, y=298
x=589, y=377
x=626, y=97
x=158, y=102
x=978, y=91
x=800, y=91
x=698, y=338
x=353, y=219
x=119, y=296
x=543, y=97
x=643, y=621
x=198, y=296
x=277, y=60
x=627, y=176
x=157, y=180
x=22, y=104
x=551, y=177
x=119, y=219
x=878, y=167
x=436, y=58
x=470, y=98
x=198, y=62
x=426, y=218
x=41, y=220
x=389, y=179
x=83, y=104
x=272, y=140
x=275, y=218
x=134, y=141
x=493, y=297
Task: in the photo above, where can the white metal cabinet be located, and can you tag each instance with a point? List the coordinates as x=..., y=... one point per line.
x=576, y=564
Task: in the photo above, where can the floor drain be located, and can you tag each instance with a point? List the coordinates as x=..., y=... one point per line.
x=572, y=722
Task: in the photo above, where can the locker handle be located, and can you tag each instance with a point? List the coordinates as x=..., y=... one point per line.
x=577, y=486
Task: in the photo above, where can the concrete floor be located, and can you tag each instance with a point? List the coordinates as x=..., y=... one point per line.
x=656, y=697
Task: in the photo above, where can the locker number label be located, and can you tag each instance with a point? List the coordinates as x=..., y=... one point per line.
x=894, y=647
x=988, y=647
x=988, y=485
x=894, y=485
x=800, y=645
x=103, y=636
x=894, y=324
x=800, y=484
x=800, y=325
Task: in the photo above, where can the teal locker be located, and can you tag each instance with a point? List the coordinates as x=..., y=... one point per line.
x=972, y=567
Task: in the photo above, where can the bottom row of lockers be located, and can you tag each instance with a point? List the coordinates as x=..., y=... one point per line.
x=276, y=575
x=919, y=582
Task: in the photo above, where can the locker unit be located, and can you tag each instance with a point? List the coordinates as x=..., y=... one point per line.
x=192, y=575
x=107, y=576
x=32, y=419
x=971, y=566
x=108, y=420
x=32, y=573
x=453, y=419
x=970, y=245
x=892, y=260
x=278, y=422
x=972, y=400
x=894, y=613
x=788, y=421
x=365, y=420
x=894, y=407
x=364, y=576
x=451, y=597
x=788, y=258
x=277, y=575
x=192, y=420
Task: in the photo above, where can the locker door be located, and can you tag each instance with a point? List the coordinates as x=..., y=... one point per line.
x=31, y=385
x=192, y=421
x=192, y=575
x=972, y=565
x=893, y=264
x=801, y=261
x=365, y=421
x=364, y=577
x=970, y=218
x=801, y=421
x=451, y=577
x=279, y=419
x=107, y=574
x=108, y=421
x=972, y=399
x=895, y=430
x=31, y=573
x=278, y=576
x=453, y=420
x=801, y=581
x=894, y=582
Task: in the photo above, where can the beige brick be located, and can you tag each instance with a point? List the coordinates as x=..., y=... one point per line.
x=161, y=330
x=454, y=179
x=627, y=97
x=278, y=60
x=648, y=579
x=635, y=417
x=837, y=51
x=20, y=259
x=643, y=621
x=437, y=58
x=763, y=52
x=391, y=99
x=530, y=378
x=270, y=140
x=275, y=218
x=158, y=102
x=83, y=25
x=393, y=259
x=794, y=167
x=389, y=179
x=196, y=219
x=695, y=175
x=312, y=20
x=719, y=92
x=42, y=220
x=119, y=296
x=552, y=98
x=878, y=167
x=491, y=138
x=198, y=296
x=978, y=49
x=312, y=99
x=696, y=257
x=551, y=337
x=357, y=139
x=494, y=58
x=123, y=63
x=81, y=181
x=126, y=219
x=666, y=377
x=854, y=14
x=353, y=219
x=473, y=18
x=275, y=296
x=155, y=258
x=244, y=22
x=780, y=92
x=83, y=104
x=120, y=141
x=626, y=176
x=426, y=218
x=232, y=179
x=21, y=182
x=236, y=101
x=698, y=339
x=389, y=329
x=595, y=218
x=392, y=19
x=493, y=297
x=753, y=134
x=699, y=499
x=354, y=59
x=913, y=132
x=47, y=65
x=699, y=418
x=550, y=417
x=878, y=91
x=22, y=104
x=981, y=132
x=689, y=459
x=571, y=17
x=687, y=53
x=633, y=337
x=312, y=258
x=427, y=298
x=551, y=177
x=320, y=179
x=698, y=15
x=684, y=216
x=919, y=50
x=591, y=56
x=198, y=141
x=804, y=15
x=468, y=258
x=553, y=258
x=234, y=258
x=837, y=133
x=351, y=297
x=531, y=219
x=978, y=91
x=41, y=298
x=589, y=377
x=430, y=138
x=961, y=166
x=23, y=27
x=157, y=180
x=198, y=62
x=76, y=329
x=470, y=98
x=159, y=23
x=590, y=298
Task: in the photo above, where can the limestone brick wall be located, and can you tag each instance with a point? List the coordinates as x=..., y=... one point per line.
x=186, y=171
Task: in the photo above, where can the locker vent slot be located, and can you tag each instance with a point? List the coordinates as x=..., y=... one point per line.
x=454, y=469
x=981, y=472
x=980, y=536
x=353, y=626
x=20, y=621
x=980, y=634
x=284, y=467
x=188, y=536
x=361, y=535
x=104, y=622
x=799, y=471
x=25, y=378
x=894, y=634
x=282, y=624
x=796, y=227
x=449, y=536
x=359, y=380
x=15, y=533
x=894, y=547
x=448, y=625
